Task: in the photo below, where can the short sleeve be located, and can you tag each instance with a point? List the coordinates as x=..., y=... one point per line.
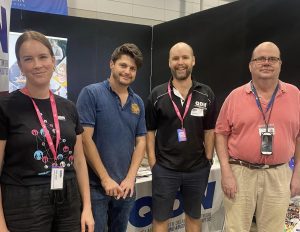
x=211, y=116
x=3, y=122
x=86, y=107
x=223, y=124
x=141, y=127
x=151, y=114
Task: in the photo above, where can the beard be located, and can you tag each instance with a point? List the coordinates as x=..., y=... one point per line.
x=181, y=76
x=120, y=81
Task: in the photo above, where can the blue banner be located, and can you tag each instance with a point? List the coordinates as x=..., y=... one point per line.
x=47, y=6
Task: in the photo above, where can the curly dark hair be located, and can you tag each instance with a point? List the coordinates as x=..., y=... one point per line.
x=131, y=50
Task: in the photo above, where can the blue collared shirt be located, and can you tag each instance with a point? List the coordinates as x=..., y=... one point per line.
x=115, y=127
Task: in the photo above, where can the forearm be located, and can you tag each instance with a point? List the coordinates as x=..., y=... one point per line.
x=82, y=173
x=93, y=158
x=222, y=151
x=228, y=181
x=297, y=157
x=209, y=143
x=3, y=226
x=137, y=157
x=83, y=180
x=295, y=181
x=150, y=146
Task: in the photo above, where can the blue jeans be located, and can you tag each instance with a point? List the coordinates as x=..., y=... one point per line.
x=110, y=214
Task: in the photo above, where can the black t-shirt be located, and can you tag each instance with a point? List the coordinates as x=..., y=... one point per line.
x=27, y=157
x=161, y=116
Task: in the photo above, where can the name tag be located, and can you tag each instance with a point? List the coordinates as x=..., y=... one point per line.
x=181, y=135
x=262, y=129
x=197, y=112
x=57, y=178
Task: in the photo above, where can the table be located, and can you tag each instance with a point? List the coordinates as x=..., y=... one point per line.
x=212, y=213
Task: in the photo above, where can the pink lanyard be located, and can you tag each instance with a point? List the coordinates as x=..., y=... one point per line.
x=181, y=118
x=55, y=118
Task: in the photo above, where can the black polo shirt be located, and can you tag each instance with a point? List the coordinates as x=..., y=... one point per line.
x=161, y=116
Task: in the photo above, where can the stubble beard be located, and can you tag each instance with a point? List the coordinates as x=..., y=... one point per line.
x=181, y=77
x=118, y=78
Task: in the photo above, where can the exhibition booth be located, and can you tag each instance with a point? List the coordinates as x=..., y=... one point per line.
x=222, y=38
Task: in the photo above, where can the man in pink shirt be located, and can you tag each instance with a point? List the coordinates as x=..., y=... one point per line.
x=257, y=133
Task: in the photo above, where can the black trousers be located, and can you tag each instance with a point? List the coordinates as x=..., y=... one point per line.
x=39, y=209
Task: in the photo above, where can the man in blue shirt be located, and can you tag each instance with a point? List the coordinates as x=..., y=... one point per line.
x=114, y=141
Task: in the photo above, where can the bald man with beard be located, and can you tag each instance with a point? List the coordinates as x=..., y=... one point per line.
x=180, y=119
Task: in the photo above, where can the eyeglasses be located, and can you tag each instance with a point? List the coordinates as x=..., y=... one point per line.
x=263, y=59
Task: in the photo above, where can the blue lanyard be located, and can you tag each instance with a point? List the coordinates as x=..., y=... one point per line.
x=270, y=104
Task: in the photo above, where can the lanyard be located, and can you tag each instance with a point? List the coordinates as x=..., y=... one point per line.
x=181, y=118
x=55, y=118
x=270, y=104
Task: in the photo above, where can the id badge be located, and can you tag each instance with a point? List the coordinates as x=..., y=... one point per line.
x=266, y=143
x=57, y=178
x=181, y=135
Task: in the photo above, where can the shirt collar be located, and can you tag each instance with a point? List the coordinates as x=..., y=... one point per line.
x=282, y=87
x=194, y=85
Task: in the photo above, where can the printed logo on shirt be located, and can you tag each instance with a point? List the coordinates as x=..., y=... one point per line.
x=200, y=105
x=135, y=109
x=65, y=157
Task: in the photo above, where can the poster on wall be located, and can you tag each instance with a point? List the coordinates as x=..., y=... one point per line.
x=58, y=84
x=4, y=27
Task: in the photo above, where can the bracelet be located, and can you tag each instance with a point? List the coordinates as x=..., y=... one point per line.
x=211, y=161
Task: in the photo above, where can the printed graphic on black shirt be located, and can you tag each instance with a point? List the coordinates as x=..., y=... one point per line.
x=43, y=153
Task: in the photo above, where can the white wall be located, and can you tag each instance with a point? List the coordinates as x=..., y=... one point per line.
x=146, y=12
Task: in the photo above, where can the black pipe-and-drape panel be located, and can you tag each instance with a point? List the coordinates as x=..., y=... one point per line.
x=90, y=44
x=223, y=39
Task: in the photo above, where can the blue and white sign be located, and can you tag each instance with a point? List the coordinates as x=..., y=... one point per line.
x=212, y=213
x=47, y=6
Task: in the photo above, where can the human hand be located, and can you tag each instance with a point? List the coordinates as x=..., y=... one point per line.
x=112, y=188
x=151, y=164
x=295, y=184
x=128, y=186
x=87, y=220
x=229, y=185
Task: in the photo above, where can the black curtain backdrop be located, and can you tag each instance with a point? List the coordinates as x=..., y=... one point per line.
x=223, y=39
x=90, y=44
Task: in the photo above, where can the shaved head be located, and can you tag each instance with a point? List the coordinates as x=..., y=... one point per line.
x=179, y=46
x=265, y=45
